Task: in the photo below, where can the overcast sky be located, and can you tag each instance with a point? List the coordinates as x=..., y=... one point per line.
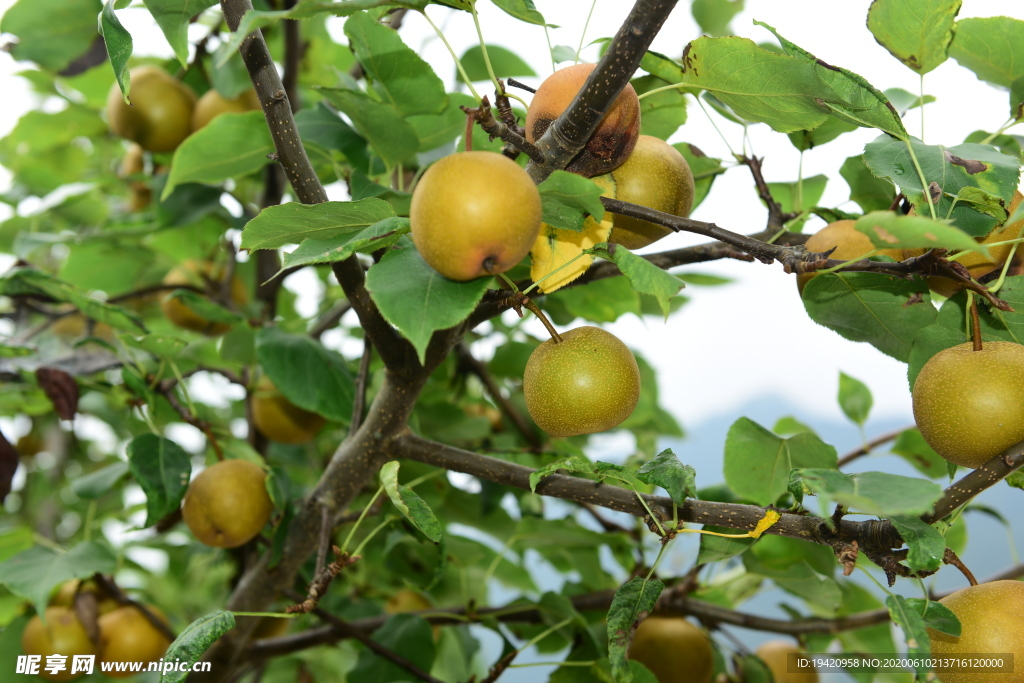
x=736, y=343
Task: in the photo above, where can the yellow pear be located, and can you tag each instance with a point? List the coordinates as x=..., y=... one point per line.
x=775, y=653
x=227, y=505
x=279, y=419
x=126, y=635
x=991, y=615
x=212, y=104
x=160, y=114
x=62, y=634
x=673, y=649
x=849, y=243
x=207, y=277
x=969, y=405
x=474, y=214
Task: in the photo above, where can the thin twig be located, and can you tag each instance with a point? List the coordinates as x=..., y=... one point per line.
x=322, y=581
x=776, y=217
x=950, y=557
x=329, y=319
x=496, y=129
x=107, y=586
x=871, y=445
x=479, y=369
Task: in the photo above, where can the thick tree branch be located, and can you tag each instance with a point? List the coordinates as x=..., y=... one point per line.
x=571, y=131
x=871, y=533
x=973, y=483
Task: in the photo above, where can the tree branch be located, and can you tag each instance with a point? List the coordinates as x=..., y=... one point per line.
x=871, y=445
x=479, y=369
x=571, y=131
x=973, y=483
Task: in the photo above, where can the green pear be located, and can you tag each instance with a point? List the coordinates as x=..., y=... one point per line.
x=656, y=176
x=587, y=383
x=969, y=405
x=474, y=214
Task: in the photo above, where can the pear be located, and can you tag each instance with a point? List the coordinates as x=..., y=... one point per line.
x=656, y=176
x=227, y=504
x=673, y=649
x=474, y=214
x=127, y=635
x=62, y=634
x=775, y=653
x=160, y=115
x=616, y=134
x=969, y=405
x=587, y=383
x=279, y=419
x=849, y=243
x=991, y=615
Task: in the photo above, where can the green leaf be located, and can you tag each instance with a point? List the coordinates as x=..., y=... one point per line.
x=7, y=351
x=399, y=75
x=757, y=84
x=790, y=425
x=796, y=197
x=828, y=131
x=229, y=76
x=293, y=223
x=194, y=641
x=929, y=341
x=321, y=126
x=799, y=578
x=846, y=95
x=870, y=307
x=51, y=33
x=31, y=281
x=523, y=10
x=757, y=462
x=102, y=481
x=665, y=470
x=903, y=101
x=914, y=32
x=912, y=447
x=633, y=601
x=408, y=634
x=870, y=193
x=914, y=631
x=391, y=136
x=409, y=504
x=437, y=130
x=854, y=398
x=506, y=64
x=993, y=48
x=119, y=45
x=307, y=374
x=924, y=541
x=205, y=308
x=32, y=574
x=417, y=299
x=704, y=169
x=230, y=145
x=567, y=197
x=162, y=468
x=173, y=17
x=952, y=169
x=256, y=19
x=380, y=235
x=563, y=53
x=570, y=463
x=875, y=493
x=936, y=616
x=662, y=113
x=713, y=16
x=644, y=277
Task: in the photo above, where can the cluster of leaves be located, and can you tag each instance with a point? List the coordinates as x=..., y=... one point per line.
x=86, y=246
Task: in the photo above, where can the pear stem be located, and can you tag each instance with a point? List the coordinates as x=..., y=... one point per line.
x=532, y=307
x=975, y=324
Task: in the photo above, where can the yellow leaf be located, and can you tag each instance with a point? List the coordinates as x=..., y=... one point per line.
x=766, y=522
x=555, y=247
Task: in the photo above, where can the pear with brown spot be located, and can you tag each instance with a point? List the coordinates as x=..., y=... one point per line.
x=587, y=383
